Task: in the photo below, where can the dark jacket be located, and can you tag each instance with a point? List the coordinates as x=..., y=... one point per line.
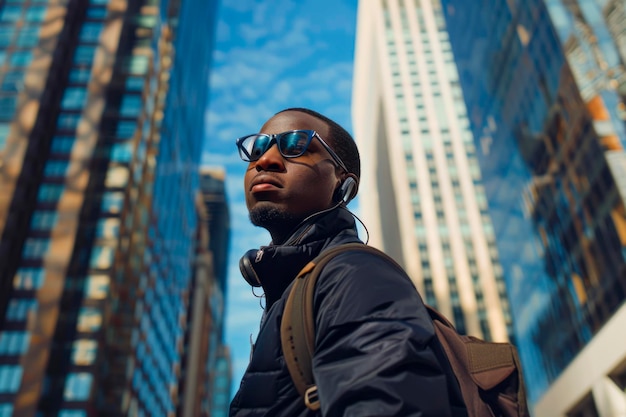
x=374, y=351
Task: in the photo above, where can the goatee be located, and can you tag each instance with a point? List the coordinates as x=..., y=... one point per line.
x=275, y=221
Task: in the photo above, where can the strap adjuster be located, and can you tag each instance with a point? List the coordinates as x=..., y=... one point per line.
x=311, y=399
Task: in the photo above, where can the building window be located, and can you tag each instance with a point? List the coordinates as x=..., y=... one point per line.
x=80, y=75
x=28, y=38
x=62, y=144
x=10, y=378
x=74, y=98
x=35, y=248
x=35, y=14
x=56, y=168
x=77, y=386
x=84, y=351
x=44, y=220
x=49, y=192
x=28, y=278
x=89, y=319
x=21, y=58
x=14, y=342
x=20, y=308
x=72, y=413
x=6, y=410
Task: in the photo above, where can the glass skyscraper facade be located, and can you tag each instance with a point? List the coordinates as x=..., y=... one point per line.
x=101, y=127
x=421, y=194
x=206, y=363
x=544, y=84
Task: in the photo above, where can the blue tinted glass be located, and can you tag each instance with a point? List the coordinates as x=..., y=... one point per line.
x=294, y=143
x=259, y=146
x=10, y=13
x=35, y=13
x=10, y=378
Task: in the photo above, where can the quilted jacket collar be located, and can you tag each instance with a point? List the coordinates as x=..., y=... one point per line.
x=277, y=265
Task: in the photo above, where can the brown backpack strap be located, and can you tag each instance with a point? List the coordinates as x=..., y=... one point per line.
x=297, y=329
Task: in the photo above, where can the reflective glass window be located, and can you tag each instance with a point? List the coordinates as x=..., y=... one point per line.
x=14, y=342
x=35, y=248
x=6, y=410
x=117, y=177
x=10, y=378
x=62, y=144
x=13, y=81
x=108, y=228
x=112, y=202
x=138, y=64
x=101, y=257
x=90, y=31
x=8, y=104
x=6, y=35
x=35, y=13
x=74, y=98
x=68, y=121
x=125, y=129
x=21, y=58
x=84, y=351
x=122, y=152
x=56, y=168
x=80, y=75
x=131, y=105
x=43, y=220
x=97, y=287
x=135, y=83
x=77, y=386
x=27, y=38
x=96, y=12
x=89, y=319
x=50, y=192
x=20, y=308
x=84, y=54
x=72, y=413
x=10, y=13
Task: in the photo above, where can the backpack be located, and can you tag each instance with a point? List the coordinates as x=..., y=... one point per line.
x=489, y=374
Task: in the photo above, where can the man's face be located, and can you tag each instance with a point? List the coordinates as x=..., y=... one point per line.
x=281, y=192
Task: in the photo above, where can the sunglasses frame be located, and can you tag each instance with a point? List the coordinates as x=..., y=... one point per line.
x=274, y=138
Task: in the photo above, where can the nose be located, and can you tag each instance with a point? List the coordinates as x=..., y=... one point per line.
x=271, y=160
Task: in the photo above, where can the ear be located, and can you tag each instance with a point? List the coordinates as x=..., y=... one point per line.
x=348, y=189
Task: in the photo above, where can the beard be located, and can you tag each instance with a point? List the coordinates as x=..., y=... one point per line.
x=276, y=221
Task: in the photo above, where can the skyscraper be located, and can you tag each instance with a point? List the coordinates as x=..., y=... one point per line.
x=101, y=126
x=206, y=362
x=422, y=196
x=544, y=84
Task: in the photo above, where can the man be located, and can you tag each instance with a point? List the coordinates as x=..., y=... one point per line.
x=375, y=352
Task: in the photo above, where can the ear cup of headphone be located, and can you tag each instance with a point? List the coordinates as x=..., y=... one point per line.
x=347, y=190
x=247, y=270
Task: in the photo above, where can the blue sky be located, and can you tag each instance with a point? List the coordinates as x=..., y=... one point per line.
x=270, y=56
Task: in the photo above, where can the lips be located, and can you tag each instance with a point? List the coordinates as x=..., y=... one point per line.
x=264, y=183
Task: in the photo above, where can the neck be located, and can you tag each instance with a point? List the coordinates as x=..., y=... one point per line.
x=281, y=238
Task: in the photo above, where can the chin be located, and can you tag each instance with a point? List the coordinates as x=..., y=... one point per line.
x=271, y=217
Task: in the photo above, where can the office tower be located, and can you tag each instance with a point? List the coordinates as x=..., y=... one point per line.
x=206, y=379
x=101, y=123
x=544, y=85
x=421, y=192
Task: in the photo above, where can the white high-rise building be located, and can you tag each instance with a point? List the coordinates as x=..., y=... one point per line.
x=421, y=195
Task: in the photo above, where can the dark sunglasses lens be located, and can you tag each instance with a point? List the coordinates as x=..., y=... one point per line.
x=293, y=144
x=257, y=145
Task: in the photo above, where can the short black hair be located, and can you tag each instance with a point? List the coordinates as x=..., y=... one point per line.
x=341, y=141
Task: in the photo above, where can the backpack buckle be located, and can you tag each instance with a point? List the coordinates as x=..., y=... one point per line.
x=311, y=399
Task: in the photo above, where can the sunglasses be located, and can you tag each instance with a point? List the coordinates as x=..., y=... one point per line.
x=290, y=144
